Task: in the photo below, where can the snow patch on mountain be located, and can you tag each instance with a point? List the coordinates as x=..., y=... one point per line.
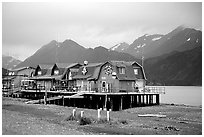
x=154, y=39
x=188, y=39
x=139, y=46
x=143, y=45
x=116, y=46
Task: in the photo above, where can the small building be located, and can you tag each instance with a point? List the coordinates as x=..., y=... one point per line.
x=56, y=76
x=15, y=76
x=112, y=76
x=41, y=76
x=87, y=76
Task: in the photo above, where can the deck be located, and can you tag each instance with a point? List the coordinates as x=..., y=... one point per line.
x=94, y=100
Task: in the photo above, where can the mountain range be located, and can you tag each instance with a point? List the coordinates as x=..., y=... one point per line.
x=171, y=59
x=176, y=69
x=69, y=51
x=9, y=62
x=180, y=39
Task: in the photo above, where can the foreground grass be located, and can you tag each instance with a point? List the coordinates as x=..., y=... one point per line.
x=180, y=120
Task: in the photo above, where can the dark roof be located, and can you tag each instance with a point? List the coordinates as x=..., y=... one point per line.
x=63, y=65
x=45, y=66
x=93, y=70
x=8, y=78
x=47, y=70
x=129, y=73
x=22, y=68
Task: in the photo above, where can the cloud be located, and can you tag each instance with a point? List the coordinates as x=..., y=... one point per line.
x=33, y=25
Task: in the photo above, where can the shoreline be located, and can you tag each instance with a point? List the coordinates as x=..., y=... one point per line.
x=172, y=104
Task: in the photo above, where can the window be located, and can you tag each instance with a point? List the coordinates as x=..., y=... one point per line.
x=39, y=72
x=11, y=73
x=56, y=72
x=136, y=71
x=122, y=70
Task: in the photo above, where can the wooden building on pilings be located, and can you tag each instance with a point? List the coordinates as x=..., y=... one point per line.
x=55, y=77
x=115, y=85
x=111, y=77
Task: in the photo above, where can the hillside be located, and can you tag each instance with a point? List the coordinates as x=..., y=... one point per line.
x=9, y=62
x=70, y=51
x=171, y=59
x=180, y=39
x=177, y=68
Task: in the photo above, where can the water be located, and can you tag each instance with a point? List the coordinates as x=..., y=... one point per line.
x=188, y=95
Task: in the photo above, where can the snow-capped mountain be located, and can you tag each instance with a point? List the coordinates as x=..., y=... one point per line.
x=120, y=47
x=180, y=39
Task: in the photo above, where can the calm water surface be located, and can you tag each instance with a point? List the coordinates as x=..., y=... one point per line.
x=188, y=95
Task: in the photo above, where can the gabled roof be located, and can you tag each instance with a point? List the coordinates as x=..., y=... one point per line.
x=128, y=63
x=142, y=69
x=118, y=63
x=22, y=68
x=63, y=67
x=129, y=72
x=47, y=70
x=45, y=66
x=93, y=70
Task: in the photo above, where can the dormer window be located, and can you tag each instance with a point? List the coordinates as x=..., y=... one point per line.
x=122, y=70
x=39, y=72
x=136, y=71
x=11, y=73
x=56, y=72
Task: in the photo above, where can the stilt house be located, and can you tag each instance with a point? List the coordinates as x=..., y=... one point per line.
x=112, y=76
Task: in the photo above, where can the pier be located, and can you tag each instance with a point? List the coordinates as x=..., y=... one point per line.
x=92, y=100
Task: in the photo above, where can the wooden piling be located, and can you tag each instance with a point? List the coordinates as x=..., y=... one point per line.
x=140, y=101
x=151, y=99
x=106, y=98
x=99, y=114
x=147, y=100
x=63, y=100
x=143, y=98
x=157, y=99
x=108, y=115
x=111, y=103
x=44, y=100
x=74, y=112
x=121, y=103
x=82, y=114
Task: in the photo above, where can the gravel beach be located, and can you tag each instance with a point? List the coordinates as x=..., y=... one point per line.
x=19, y=118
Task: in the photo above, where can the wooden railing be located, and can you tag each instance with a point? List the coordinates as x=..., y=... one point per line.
x=154, y=89
x=105, y=90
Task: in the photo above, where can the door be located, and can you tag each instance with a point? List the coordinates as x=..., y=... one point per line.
x=103, y=86
x=109, y=87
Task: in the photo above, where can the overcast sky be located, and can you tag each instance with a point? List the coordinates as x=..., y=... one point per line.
x=28, y=26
